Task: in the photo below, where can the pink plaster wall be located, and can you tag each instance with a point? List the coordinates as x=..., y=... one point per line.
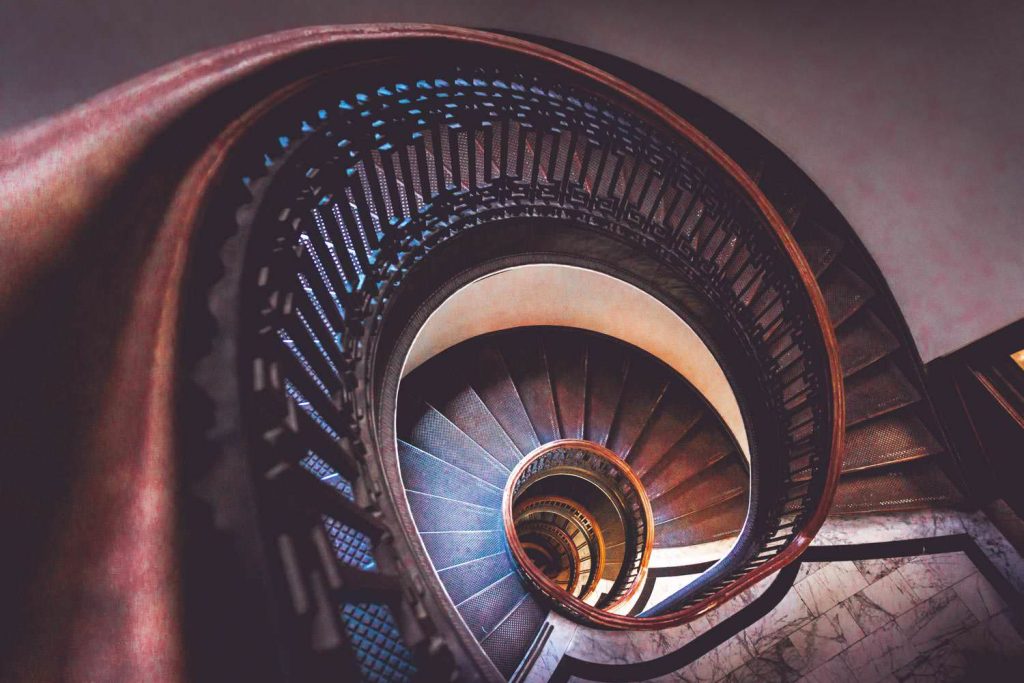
x=910, y=116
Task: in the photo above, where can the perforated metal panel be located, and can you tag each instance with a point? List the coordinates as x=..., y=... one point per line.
x=374, y=635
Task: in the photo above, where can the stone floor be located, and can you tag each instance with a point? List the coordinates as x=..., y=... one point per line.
x=932, y=617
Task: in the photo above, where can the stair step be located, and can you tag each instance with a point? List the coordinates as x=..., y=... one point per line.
x=508, y=644
x=485, y=610
x=676, y=415
x=527, y=364
x=447, y=549
x=727, y=478
x=434, y=433
x=702, y=447
x=785, y=193
x=892, y=438
x=646, y=383
x=567, y=360
x=467, y=411
x=468, y=578
x=876, y=390
x=820, y=246
x=720, y=521
x=864, y=339
x=422, y=471
x=908, y=486
x=491, y=381
x=845, y=292
x=606, y=374
x=433, y=513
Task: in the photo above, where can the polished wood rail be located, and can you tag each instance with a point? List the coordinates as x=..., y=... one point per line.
x=238, y=148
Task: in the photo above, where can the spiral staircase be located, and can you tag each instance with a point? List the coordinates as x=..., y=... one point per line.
x=339, y=517
x=468, y=417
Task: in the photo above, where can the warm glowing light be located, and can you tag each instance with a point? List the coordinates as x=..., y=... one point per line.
x=1018, y=358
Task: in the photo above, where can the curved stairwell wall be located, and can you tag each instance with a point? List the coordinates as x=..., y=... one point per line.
x=562, y=295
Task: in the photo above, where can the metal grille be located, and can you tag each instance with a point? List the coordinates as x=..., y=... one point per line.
x=374, y=635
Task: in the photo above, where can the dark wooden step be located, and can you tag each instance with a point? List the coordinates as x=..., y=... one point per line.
x=908, y=486
x=436, y=434
x=485, y=610
x=567, y=360
x=606, y=373
x=468, y=578
x=878, y=389
x=450, y=548
x=646, y=384
x=845, y=292
x=864, y=339
x=702, y=447
x=676, y=415
x=820, y=246
x=467, y=411
x=427, y=473
x=892, y=438
x=511, y=640
x=711, y=524
x=725, y=479
x=490, y=379
x=438, y=513
x=527, y=364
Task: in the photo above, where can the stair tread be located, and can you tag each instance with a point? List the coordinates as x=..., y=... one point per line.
x=723, y=480
x=433, y=513
x=434, y=433
x=511, y=640
x=606, y=373
x=645, y=385
x=820, y=246
x=876, y=390
x=484, y=610
x=443, y=384
x=907, y=486
x=468, y=578
x=450, y=548
x=704, y=445
x=845, y=292
x=888, y=439
x=864, y=339
x=422, y=471
x=676, y=415
x=491, y=381
x=720, y=521
x=526, y=360
x=568, y=365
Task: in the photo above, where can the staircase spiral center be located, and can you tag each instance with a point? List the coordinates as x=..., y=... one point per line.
x=578, y=519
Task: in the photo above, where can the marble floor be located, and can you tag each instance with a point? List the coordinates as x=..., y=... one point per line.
x=932, y=616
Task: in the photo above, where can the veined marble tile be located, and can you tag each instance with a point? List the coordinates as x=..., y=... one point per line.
x=877, y=655
x=826, y=588
x=780, y=663
x=790, y=614
x=715, y=665
x=873, y=570
x=808, y=568
x=881, y=602
x=929, y=574
x=825, y=637
x=936, y=621
x=995, y=546
x=995, y=636
x=561, y=636
x=944, y=663
x=891, y=526
x=627, y=647
x=979, y=596
x=832, y=671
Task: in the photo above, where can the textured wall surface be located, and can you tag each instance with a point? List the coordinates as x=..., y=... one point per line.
x=908, y=115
